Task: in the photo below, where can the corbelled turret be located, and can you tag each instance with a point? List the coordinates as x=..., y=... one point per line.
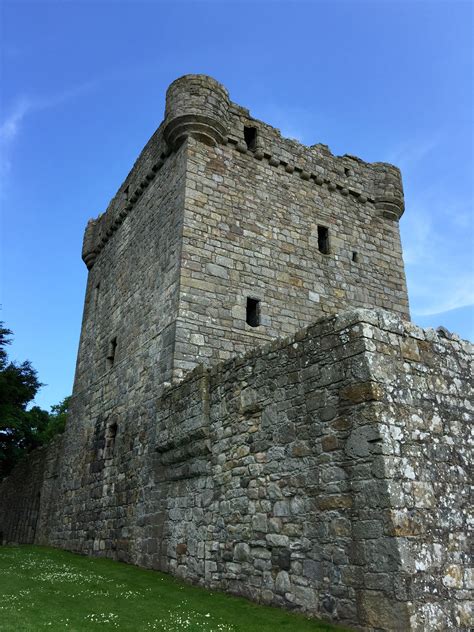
x=197, y=106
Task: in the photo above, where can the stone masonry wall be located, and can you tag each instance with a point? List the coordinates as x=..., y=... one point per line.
x=424, y=421
x=26, y=492
x=132, y=298
x=251, y=230
x=133, y=284
x=324, y=472
x=208, y=217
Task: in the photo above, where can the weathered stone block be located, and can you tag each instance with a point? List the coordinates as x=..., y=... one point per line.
x=363, y=392
x=281, y=508
x=275, y=539
x=242, y=552
x=282, y=583
x=377, y=610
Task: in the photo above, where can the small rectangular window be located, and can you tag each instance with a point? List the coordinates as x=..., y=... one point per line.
x=126, y=192
x=250, y=136
x=323, y=239
x=253, y=312
x=355, y=256
x=111, y=353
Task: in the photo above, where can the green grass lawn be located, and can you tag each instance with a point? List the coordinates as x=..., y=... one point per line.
x=43, y=588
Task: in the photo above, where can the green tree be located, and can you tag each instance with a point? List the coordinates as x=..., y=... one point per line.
x=21, y=429
x=57, y=420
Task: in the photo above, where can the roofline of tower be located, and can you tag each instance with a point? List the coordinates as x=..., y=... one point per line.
x=198, y=106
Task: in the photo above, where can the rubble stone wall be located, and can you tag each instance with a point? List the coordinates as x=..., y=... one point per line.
x=424, y=421
x=27, y=492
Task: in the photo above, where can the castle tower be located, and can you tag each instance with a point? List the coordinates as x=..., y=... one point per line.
x=225, y=235
x=326, y=471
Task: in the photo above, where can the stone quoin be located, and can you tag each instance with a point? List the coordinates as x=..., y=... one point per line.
x=253, y=410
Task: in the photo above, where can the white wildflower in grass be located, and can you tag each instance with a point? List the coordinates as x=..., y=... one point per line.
x=130, y=594
x=15, y=601
x=66, y=575
x=103, y=618
x=87, y=588
x=93, y=592
x=181, y=621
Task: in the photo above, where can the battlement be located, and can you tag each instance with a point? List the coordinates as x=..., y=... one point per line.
x=198, y=106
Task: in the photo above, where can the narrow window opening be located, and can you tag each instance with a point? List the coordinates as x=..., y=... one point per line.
x=96, y=295
x=347, y=171
x=253, y=312
x=250, y=135
x=111, y=353
x=110, y=434
x=323, y=239
x=355, y=257
x=126, y=192
x=112, y=431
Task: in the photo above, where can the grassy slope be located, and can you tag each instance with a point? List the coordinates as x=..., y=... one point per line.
x=42, y=588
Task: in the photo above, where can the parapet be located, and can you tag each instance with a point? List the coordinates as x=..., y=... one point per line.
x=198, y=106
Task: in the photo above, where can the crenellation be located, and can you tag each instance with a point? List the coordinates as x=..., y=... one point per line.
x=192, y=111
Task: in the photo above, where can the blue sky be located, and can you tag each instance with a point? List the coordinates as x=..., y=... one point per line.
x=83, y=88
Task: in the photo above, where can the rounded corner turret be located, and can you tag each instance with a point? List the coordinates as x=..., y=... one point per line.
x=197, y=106
x=386, y=167
x=89, y=250
x=388, y=190
x=206, y=81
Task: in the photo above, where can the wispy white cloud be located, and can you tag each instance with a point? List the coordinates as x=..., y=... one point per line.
x=437, y=235
x=9, y=129
x=410, y=154
x=437, y=231
x=12, y=124
x=461, y=295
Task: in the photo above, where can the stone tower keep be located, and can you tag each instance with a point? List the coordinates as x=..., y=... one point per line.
x=222, y=220
x=252, y=409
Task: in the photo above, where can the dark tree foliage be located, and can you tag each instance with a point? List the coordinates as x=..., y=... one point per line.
x=57, y=420
x=21, y=430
